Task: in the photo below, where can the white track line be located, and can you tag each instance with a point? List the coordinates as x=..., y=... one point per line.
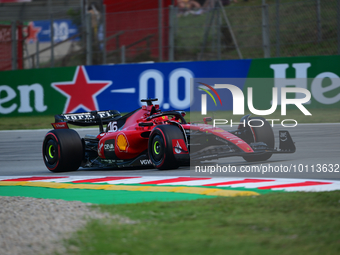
x=334, y=185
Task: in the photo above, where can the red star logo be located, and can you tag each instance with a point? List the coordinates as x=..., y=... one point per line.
x=32, y=32
x=81, y=92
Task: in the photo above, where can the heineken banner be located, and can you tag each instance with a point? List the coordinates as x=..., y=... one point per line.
x=121, y=87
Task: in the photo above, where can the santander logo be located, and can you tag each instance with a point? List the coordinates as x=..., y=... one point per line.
x=178, y=148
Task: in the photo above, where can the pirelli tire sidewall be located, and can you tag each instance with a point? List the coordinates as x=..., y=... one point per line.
x=62, y=150
x=160, y=149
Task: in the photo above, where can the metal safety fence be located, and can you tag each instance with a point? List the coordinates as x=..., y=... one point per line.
x=277, y=28
x=69, y=33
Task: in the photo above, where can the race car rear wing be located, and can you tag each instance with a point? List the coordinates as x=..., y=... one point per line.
x=86, y=119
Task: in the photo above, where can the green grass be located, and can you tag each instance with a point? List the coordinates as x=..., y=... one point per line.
x=298, y=32
x=26, y=122
x=281, y=223
x=318, y=116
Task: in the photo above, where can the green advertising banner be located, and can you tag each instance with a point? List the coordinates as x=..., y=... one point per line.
x=29, y=92
x=319, y=75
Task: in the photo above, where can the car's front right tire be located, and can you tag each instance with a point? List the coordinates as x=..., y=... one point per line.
x=160, y=147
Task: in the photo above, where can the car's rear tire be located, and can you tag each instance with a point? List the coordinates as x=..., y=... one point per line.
x=62, y=150
x=263, y=134
x=160, y=146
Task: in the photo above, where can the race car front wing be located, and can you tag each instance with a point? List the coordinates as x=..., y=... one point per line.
x=286, y=145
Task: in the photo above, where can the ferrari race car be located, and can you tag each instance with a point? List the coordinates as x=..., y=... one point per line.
x=150, y=137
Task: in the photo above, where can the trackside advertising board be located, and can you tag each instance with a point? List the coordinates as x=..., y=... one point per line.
x=120, y=87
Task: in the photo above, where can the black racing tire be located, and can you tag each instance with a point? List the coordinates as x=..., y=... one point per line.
x=62, y=150
x=263, y=134
x=160, y=146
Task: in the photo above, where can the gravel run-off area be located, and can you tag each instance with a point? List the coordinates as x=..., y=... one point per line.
x=38, y=226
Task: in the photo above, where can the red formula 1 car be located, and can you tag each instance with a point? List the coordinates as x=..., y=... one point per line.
x=150, y=137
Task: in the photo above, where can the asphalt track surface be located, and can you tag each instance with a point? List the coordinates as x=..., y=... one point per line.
x=317, y=145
